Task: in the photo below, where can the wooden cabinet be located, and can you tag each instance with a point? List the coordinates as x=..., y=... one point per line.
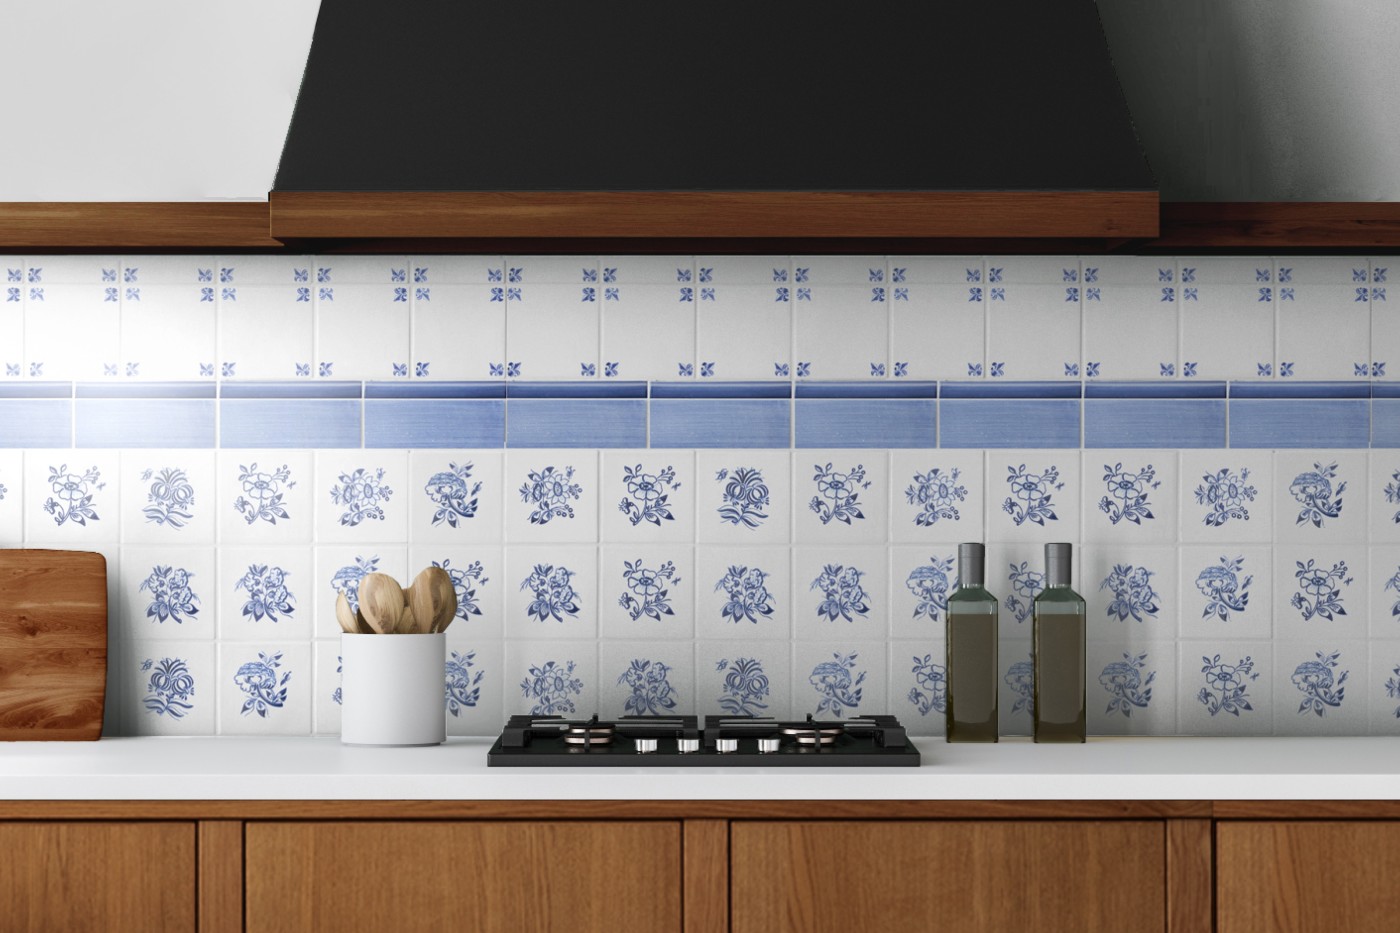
x=1285, y=876
x=955, y=876
x=97, y=876
x=479, y=876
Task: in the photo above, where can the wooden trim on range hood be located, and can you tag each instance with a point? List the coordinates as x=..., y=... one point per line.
x=138, y=225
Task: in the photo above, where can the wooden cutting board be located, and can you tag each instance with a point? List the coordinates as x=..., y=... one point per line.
x=53, y=644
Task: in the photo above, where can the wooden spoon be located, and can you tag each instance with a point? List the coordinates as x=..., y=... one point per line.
x=362, y=623
x=381, y=600
x=345, y=615
x=431, y=594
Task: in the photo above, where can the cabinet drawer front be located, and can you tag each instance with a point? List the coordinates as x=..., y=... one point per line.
x=435, y=876
x=1282, y=876
x=956, y=876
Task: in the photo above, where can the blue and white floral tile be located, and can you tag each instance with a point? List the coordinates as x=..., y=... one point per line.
x=1320, y=496
x=1384, y=581
x=340, y=569
x=748, y=679
x=646, y=678
x=936, y=496
x=1015, y=575
x=327, y=697
x=265, y=593
x=647, y=593
x=1131, y=594
x=265, y=688
x=12, y=498
x=938, y=322
x=551, y=678
x=841, y=316
x=1382, y=687
x=743, y=497
x=553, y=330
x=1129, y=496
x=1016, y=692
x=72, y=315
x=456, y=497
x=1324, y=316
x=459, y=331
x=1227, y=496
x=1385, y=321
x=552, y=496
x=1040, y=295
x=1131, y=691
x=1383, y=493
x=743, y=594
x=551, y=592
x=1033, y=495
x=168, y=497
x=918, y=685
x=361, y=495
x=1226, y=592
x=744, y=331
x=72, y=497
x=267, y=320
x=648, y=319
x=169, y=593
x=648, y=496
x=1131, y=323
x=265, y=496
x=1227, y=318
x=1320, y=687
x=921, y=579
x=1320, y=592
x=478, y=578
x=839, y=678
x=166, y=688
x=362, y=317
x=840, y=593
x=841, y=496
x=168, y=325
x=472, y=684
x=1225, y=688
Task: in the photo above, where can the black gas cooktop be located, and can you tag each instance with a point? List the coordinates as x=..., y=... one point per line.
x=553, y=741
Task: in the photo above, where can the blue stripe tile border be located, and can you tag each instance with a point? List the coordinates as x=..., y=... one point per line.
x=1314, y=390
x=1385, y=390
x=438, y=390
x=116, y=390
x=144, y=422
x=289, y=422
x=36, y=390
x=1385, y=421
x=1010, y=390
x=1155, y=390
x=1000, y=423
x=576, y=422
x=722, y=422
x=842, y=422
x=306, y=390
x=1294, y=423
x=576, y=390
x=36, y=422
x=435, y=423
x=697, y=390
x=1139, y=422
x=890, y=390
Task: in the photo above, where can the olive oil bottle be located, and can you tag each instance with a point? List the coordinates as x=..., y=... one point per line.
x=1058, y=633
x=972, y=652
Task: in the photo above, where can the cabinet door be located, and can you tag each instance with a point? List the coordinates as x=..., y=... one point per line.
x=1281, y=876
x=436, y=876
x=966, y=877
x=80, y=877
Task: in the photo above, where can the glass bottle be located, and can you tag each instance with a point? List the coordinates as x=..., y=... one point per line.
x=972, y=652
x=1058, y=633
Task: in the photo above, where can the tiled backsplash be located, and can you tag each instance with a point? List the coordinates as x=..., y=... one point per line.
x=729, y=484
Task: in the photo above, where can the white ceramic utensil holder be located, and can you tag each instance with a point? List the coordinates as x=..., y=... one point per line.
x=391, y=689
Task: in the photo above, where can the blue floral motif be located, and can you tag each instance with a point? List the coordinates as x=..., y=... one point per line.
x=1392, y=494
x=549, y=492
x=1314, y=492
x=170, y=497
x=1323, y=588
x=1026, y=584
x=1132, y=591
x=1020, y=677
x=465, y=580
x=3, y=490
x=553, y=687
x=652, y=693
x=1223, y=588
x=1319, y=683
x=930, y=585
x=1127, y=493
x=336, y=695
x=744, y=687
x=1227, y=685
x=267, y=593
x=1126, y=686
x=748, y=594
x=1031, y=494
x=936, y=494
x=745, y=495
x=1394, y=584
x=462, y=686
x=347, y=579
x=170, y=688
x=554, y=593
x=258, y=679
x=1392, y=688
x=930, y=690
x=646, y=590
x=1225, y=493
x=648, y=494
x=72, y=495
x=171, y=595
x=453, y=493
x=842, y=595
x=837, y=683
x=363, y=495
x=838, y=494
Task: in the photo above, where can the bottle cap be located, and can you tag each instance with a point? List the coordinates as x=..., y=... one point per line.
x=1057, y=564
x=972, y=560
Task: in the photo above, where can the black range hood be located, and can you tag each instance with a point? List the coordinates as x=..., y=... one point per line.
x=458, y=118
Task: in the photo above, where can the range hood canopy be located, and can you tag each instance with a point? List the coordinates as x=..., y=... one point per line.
x=433, y=118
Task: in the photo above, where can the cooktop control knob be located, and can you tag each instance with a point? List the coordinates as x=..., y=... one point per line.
x=645, y=746
x=769, y=744
x=725, y=746
x=686, y=746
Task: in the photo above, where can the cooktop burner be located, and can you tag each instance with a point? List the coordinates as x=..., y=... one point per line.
x=553, y=741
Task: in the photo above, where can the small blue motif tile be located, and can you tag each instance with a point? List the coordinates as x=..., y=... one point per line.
x=648, y=332
x=362, y=325
x=165, y=329
x=1227, y=318
x=553, y=328
x=70, y=330
x=1129, y=331
x=458, y=331
x=1030, y=295
x=1319, y=297
x=841, y=316
x=745, y=331
x=937, y=316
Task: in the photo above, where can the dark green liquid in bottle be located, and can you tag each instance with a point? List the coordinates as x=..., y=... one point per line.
x=1059, y=642
x=972, y=653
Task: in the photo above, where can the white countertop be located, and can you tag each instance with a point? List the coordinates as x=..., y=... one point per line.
x=323, y=769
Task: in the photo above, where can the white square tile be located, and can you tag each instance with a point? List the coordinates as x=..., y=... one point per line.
x=1226, y=592
x=1384, y=581
x=1033, y=495
x=168, y=318
x=647, y=593
x=1227, y=496
x=1131, y=594
x=841, y=316
x=1320, y=688
x=1131, y=692
x=1227, y=317
x=265, y=496
x=327, y=698
x=648, y=496
x=362, y=317
x=1033, y=295
x=267, y=320
x=1225, y=688
x=361, y=496
x=918, y=685
x=167, y=688
x=749, y=679
x=1317, y=295
x=340, y=569
x=744, y=497
x=1130, y=496
x=921, y=579
x=72, y=316
x=1016, y=696
x=12, y=499
x=555, y=496
x=1320, y=496
x=1383, y=494
x=459, y=332
x=473, y=687
x=1383, y=688
x=840, y=496
x=938, y=317
x=743, y=593
x=168, y=497
x=456, y=496
x=1016, y=574
x=745, y=329
x=478, y=577
x=169, y=593
x=1320, y=592
x=72, y=496
x=265, y=689
x=551, y=592
x=1131, y=322
x=646, y=678
x=553, y=327
x=556, y=678
x=841, y=593
x=839, y=679
x=12, y=316
x=266, y=593
x=1385, y=322
x=936, y=496
x=648, y=320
